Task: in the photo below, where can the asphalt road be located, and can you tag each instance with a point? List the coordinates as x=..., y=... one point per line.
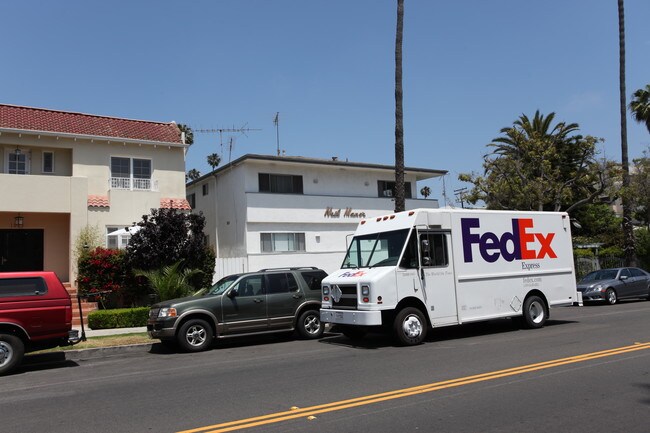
x=588, y=370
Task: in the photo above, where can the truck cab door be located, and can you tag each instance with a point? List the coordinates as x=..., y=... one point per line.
x=436, y=271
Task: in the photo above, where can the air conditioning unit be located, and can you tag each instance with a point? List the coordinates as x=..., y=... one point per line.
x=388, y=193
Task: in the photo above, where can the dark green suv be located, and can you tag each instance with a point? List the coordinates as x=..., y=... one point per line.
x=271, y=300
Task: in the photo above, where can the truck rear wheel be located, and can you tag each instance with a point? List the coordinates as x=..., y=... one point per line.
x=410, y=326
x=12, y=350
x=534, y=312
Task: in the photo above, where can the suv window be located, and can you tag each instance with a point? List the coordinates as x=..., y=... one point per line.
x=313, y=278
x=250, y=286
x=281, y=283
x=22, y=287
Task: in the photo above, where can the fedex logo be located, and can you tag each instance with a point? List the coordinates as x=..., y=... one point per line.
x=352, y=274
x=514, y=245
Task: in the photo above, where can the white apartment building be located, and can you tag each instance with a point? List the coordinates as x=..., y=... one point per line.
x=278, y=211
x=62, y=171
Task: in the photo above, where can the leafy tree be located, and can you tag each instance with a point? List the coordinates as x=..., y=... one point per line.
x=538, y=166
x=628, y=244
x=168, y=236
x=399, y=113
x=598, y=224
x=189, y=134
x=193, y=174
x=170, y=281
x=214, y=160
x=639, y=192
x=643, y=247
x=425, y=191
x=640, y=106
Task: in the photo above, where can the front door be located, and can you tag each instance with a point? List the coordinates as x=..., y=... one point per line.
x=439, y=282
x=245, y=309
x=21, y=250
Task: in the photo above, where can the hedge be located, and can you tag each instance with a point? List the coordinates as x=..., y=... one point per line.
x=118, y=318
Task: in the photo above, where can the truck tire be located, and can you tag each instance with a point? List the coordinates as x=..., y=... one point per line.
x=12, y=350
x=534, y=312
x=410, y=326
x=195, y=335
x=309, y=325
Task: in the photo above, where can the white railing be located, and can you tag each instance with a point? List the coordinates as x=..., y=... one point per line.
x=130, y=184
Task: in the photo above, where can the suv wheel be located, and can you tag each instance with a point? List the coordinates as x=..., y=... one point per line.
x=11, y=352
x=309, y=324
x=195, y=335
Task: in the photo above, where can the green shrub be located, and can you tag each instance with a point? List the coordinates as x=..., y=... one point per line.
x=583, y=252
x=118, y=318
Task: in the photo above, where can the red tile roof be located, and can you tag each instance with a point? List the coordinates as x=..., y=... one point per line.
x=174, y=203
x=98, y=201
x=44, y=120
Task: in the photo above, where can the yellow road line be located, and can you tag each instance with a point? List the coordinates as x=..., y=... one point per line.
x=406, y=392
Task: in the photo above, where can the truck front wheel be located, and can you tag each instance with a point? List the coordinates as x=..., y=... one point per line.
x=12, y=350
x=410, y=326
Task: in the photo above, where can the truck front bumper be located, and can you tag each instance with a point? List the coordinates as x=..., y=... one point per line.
x=351, y=317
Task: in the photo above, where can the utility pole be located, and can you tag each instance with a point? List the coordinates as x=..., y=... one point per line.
x=460, y=194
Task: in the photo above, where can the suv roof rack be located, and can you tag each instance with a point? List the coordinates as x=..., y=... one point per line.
x=289, y=269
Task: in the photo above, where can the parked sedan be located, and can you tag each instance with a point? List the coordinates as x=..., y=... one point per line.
x=610, y=285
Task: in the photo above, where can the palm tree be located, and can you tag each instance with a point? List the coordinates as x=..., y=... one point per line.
x=214, y=160
x=640, y=106
x=193, y=174
x=399, y=113
x=170, y=281
x=425, y=191
x=628, y=230
x=189, y=135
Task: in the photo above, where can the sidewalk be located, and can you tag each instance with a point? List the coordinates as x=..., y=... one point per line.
x=115, y=331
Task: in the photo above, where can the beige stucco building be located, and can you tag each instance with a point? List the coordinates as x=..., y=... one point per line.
x=62, y=171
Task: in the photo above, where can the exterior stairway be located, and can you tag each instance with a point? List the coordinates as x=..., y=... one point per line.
x=86, y=307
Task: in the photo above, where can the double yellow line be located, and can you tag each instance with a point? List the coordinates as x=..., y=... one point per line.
x=406, y=392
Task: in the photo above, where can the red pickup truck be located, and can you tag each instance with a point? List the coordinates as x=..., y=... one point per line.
x=35, y=314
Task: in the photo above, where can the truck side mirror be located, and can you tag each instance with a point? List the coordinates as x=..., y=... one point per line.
x=426, y=261
x=425, y=247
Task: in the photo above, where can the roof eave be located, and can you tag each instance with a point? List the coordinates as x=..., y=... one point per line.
x=93, y=137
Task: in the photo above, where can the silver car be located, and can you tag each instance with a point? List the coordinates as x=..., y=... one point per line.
x=610, y=285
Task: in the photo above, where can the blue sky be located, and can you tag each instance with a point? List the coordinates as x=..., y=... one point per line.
x=471, y=67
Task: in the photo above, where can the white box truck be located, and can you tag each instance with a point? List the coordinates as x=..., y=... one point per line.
x=422, y=268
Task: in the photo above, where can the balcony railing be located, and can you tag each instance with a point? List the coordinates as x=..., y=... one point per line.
x=132, y=184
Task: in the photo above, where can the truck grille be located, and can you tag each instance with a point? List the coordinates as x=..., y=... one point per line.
x=348, y=300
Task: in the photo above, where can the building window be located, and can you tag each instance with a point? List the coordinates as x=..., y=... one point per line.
x=282, y=242
x=115, y=240
x=17, y=162
x=280, y=183
x=131, y=173
x=387, y=189
x=204, y=187
x=191, y=199
x=48, y=162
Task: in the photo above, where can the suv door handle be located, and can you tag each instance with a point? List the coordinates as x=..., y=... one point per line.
x=257, y=301
x=297, y=296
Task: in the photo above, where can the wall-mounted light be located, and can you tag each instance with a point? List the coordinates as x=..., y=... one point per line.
x=17, y=152
x=19, y=220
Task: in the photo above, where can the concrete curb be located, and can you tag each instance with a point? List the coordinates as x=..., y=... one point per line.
x=101, y=352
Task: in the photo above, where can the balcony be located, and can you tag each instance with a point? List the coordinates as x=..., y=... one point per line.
x=132, y=184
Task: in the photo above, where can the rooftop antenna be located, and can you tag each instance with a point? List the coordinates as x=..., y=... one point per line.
x=242, y=130
x=276, y=122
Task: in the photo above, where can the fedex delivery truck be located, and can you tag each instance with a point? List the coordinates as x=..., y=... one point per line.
x=438, y=267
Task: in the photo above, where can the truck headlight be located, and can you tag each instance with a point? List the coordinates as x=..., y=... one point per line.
x=365, y=290
x=326, y=293
x=167, y=312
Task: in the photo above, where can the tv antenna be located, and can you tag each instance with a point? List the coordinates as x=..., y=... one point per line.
x=276, y=122
x=241, y=130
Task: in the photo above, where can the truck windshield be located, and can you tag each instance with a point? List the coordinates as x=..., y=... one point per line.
x=376, y=249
